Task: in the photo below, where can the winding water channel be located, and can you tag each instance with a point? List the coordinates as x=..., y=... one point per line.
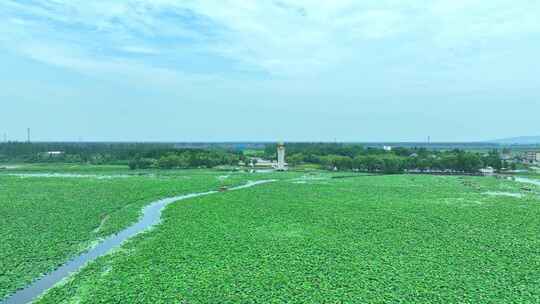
x=151, y=217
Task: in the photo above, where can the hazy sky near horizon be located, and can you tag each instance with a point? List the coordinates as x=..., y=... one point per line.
x=227, y=70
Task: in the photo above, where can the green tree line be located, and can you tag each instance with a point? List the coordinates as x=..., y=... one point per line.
x=186, y=158
x=136, y=155
x=400, y=159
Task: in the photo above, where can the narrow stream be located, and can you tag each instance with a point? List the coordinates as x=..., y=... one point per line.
x=151, y=216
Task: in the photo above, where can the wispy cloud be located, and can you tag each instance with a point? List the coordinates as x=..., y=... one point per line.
x=282, y=38
x=140, y=50
x=350, y=65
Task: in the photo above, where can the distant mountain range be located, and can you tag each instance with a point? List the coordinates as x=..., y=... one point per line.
x=521, y=140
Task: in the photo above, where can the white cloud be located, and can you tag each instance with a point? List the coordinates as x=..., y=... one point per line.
x=285, y=37
x=354, y=65
x=140, y=50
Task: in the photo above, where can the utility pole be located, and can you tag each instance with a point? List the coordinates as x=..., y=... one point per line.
x=5, y=137
x=28, y=133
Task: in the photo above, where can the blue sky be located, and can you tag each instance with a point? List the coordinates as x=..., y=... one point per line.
x=346, y=70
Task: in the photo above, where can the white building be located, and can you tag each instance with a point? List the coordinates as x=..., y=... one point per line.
x=532, y=157
x=387, y=148
x=262, y=163
x=487, y=171
x=54, y=153
x=281, y=165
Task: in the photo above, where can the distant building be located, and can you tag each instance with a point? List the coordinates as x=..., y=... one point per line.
x=262, y=163
x=487, y=171
x=387, y=148
x=281, y=165
x=532, y=157
x=54, y=153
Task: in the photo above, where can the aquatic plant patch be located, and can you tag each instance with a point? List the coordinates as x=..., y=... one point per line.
x=46, y=220
x=375, y=239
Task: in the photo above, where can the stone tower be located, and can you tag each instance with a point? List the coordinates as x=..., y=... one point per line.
x=281, y=157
